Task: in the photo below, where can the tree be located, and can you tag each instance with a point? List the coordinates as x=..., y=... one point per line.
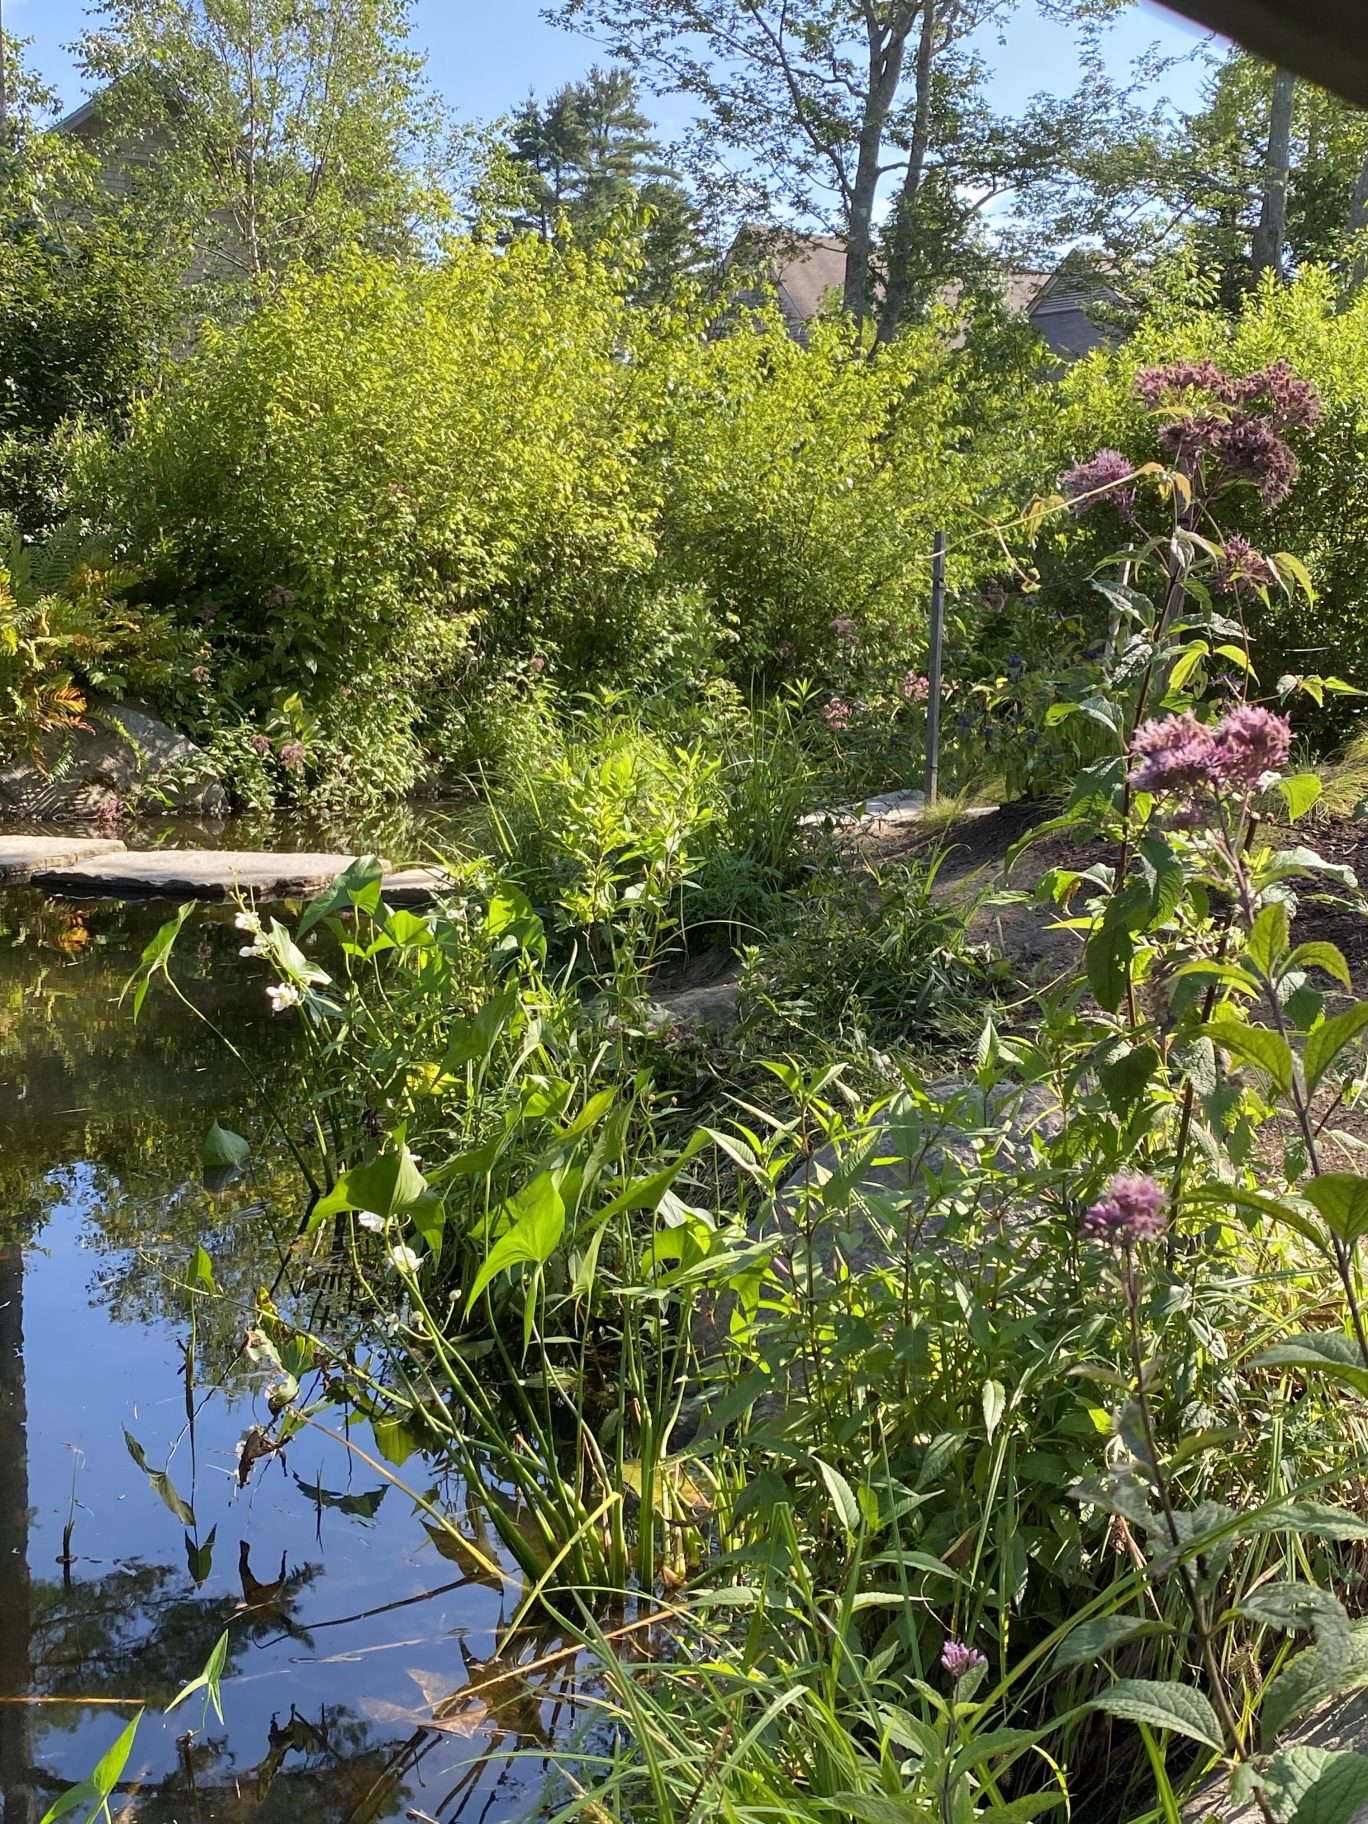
x=283, y=128
x=835, y=105
x=1266, y=176
x=590, y=157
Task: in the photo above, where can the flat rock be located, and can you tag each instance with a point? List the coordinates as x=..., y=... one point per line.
x=121, y=754
x=193, y=874
x=22, y=856
x=415, y=888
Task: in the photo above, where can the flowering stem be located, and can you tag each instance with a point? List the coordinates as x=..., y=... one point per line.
x=1196, y=1603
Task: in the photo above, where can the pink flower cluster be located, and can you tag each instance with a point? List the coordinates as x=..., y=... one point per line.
x=916, y=688
x=1106, y=476
x=844, y=629
x=1236, y=421
x=293, y=755
x=838, y=713
x=1132, y=1210
x=1241, y=563
x=958, y=1659
x=1181, y=754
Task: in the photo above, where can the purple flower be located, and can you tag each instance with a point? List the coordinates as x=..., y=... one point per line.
x=959, y=1659
x=1251, y=742
x=1249, y=449
x=837, y=713
x=1241, y=563
x=259, y=744
x=844, y=629
x=293, y=755
x=1106, y=477
x=1175, y=753
x=1132, y=1210
x=1155, y=385
x=915, y=687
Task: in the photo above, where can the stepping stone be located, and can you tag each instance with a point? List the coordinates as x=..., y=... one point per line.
x=414, y=888
x=22, y=856
x=193, y=874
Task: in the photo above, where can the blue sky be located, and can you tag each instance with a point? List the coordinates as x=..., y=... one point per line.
x=486, y=54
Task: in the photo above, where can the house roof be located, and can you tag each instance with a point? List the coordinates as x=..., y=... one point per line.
x=806, y=272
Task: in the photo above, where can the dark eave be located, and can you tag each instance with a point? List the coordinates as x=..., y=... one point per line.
x=1324, y=40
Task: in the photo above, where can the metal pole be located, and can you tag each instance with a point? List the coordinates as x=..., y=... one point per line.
x=933, y=680
x=4, y=98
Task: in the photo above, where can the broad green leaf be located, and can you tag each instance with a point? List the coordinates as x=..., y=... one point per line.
x=1125, y=1080
x=1106, y=956
x=1330, y=1351
x=537, y=1216
x=1268, y=939
x=1320, y=955
x=199, y=1559
x=843, y=1497
x=1342, y=1199
x=387, y=1185
x=161, y=1482
x=222, y=1148
x=1307, y=1680
x=1327, y=1042
x=1163, y=875
x=1299, y=793
x=104, y=1778
x=357, y=885
x=1163, y=1704
x=1298, y=1608
x=994, y=1405
x=1093, y=1640
x=1306, y=1785
x=1254, y=1045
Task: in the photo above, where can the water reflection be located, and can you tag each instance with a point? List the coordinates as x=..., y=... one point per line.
x=370, y=1676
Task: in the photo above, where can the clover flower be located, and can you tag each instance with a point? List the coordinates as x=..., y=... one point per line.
x=959, y=1659
x=1105, y=476
x=1133, y=1210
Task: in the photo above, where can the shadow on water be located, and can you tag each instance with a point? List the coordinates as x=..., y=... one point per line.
x=369, y=1675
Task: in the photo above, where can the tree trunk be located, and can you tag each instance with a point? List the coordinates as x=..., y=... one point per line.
x=1357, y=223
x=18, y=1800
x=895, y=280
x=886, y=50
x=1270, y=237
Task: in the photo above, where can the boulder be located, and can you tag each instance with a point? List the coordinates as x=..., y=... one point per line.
x=126, y=753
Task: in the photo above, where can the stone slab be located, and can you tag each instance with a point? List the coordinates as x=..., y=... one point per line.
x=193, y=874
x=22, y=856
x=414, y=888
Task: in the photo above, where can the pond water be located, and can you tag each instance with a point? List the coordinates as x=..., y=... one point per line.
x=369, y=1677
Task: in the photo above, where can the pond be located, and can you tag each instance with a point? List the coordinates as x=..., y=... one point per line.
x=369, y=1675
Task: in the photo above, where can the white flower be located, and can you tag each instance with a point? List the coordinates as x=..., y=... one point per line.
x=248, y=921
x=368, y=1219
x=286, y=995
x=405, y=1260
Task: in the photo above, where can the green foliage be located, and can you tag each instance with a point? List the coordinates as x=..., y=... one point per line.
x=69, y=631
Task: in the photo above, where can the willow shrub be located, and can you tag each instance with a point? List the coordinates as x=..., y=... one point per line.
x=392, y=491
